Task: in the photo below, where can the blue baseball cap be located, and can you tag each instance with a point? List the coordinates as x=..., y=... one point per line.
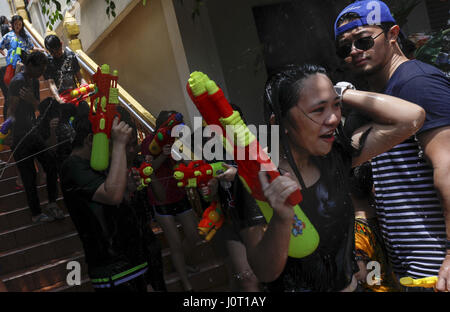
x=371, y=12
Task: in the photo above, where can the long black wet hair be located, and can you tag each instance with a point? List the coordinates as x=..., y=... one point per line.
x=282, y=92
x=22, y=30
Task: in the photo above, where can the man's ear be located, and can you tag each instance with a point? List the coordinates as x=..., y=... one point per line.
x=393, y=34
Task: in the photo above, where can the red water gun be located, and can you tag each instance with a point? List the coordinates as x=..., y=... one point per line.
x=104, y=100
x=215, y=109
x=77, y=95
x=145, y=171
x=197, y=173
x=14, y=56
x=163, y=134
x=212, y=220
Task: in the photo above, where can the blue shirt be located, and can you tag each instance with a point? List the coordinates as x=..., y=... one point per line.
x=9, y=37
x=424, y=85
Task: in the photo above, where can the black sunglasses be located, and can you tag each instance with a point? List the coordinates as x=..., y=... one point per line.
x=364, y=43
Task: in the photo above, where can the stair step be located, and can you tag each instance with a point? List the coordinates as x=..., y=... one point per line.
x=5, y=153
x=42, y=252
x=9, y=172
x=9, y=186
x=202, y=253
x=162, y=238
x=220, y=288
x=41, y=276
x=211, y=275
x=18, y=199
x=85, y=286
x=21, y=217
x=35, y=233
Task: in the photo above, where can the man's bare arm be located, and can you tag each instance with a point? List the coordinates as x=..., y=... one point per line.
x=436, y=146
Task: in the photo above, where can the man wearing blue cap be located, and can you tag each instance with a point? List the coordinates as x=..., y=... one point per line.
x=412, y=181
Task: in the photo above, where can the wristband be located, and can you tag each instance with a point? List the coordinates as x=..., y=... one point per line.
x=340, y=87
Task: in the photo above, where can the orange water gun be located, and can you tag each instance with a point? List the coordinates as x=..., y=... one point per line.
x=212, y=220
x=145, y=171
x=104, y=100
x=77, y=95
x=163, y=134
x=215, y=109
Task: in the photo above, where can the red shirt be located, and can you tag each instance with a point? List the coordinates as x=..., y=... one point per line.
x=164, y=175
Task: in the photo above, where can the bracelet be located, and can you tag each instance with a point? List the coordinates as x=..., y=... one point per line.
x=340, y=87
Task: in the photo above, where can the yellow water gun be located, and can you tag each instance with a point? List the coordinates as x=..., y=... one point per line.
x=426, y=282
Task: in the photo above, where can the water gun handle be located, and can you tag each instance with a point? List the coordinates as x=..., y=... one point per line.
x=100, y=151
x=101, y=127
x=293, y=199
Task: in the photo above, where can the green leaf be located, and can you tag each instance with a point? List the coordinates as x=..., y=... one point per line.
x=58, y=5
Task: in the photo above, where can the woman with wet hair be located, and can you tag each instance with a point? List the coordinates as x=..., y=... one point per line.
x=317, y=158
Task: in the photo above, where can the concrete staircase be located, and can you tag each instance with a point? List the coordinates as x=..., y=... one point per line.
x=33, y=257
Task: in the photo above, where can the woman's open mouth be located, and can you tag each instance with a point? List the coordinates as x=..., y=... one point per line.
x=328, y=137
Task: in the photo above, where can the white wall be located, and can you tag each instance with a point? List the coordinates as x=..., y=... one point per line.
x=5, y=9
x=144, y=51
x=223, y=42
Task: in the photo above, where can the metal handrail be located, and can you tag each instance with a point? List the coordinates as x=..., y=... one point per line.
x=145, y=120
x=122, y=101
x=140, y=114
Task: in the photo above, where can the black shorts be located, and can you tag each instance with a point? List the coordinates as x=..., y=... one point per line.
x=173, y=209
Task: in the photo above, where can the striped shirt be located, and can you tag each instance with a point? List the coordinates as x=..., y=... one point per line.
x=409, y=211
x=408, y=207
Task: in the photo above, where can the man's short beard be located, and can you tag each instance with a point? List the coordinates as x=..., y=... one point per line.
x=370, y=72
